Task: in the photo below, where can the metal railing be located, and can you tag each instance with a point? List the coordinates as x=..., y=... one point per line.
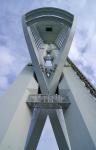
x=48, y=101
x=83, y=78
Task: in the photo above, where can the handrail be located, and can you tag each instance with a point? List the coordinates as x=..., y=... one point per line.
x=83, y=78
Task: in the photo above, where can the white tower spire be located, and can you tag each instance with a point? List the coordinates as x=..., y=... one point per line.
x=49, y=87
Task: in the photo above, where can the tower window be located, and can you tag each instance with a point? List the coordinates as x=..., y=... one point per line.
x=49, y=29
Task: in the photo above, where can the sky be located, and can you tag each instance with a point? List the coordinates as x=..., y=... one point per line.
x=14, y=53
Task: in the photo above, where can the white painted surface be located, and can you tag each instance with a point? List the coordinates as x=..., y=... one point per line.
x=16, y=133
x=81, y=115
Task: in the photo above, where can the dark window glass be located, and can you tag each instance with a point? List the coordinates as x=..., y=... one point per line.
x=49, y=29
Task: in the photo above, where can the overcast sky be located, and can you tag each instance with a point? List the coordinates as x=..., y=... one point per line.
x=14, y=53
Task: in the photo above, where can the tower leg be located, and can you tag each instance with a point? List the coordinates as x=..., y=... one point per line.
x=79, y=117
x=15, y=116
x=59, y=128
x=35, y=130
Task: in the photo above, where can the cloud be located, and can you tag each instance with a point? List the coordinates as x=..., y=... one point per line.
x=5, y=57
x=85, y=60
x=10, y=67
x=84, y=34
x=6, y=61
x=3, y=83
x=90, y=54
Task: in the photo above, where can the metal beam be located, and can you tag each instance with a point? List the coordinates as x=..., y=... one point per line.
x=35, y=130
x=59, y=128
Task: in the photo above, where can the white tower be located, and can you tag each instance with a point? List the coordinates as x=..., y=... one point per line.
x=51, y=86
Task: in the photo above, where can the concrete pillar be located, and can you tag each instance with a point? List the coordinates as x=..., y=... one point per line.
x=80, y=117
x=15, y=116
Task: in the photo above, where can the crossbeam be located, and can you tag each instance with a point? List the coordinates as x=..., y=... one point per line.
x=48, y=101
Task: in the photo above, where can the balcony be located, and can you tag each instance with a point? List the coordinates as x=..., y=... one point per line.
x=48, y=101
